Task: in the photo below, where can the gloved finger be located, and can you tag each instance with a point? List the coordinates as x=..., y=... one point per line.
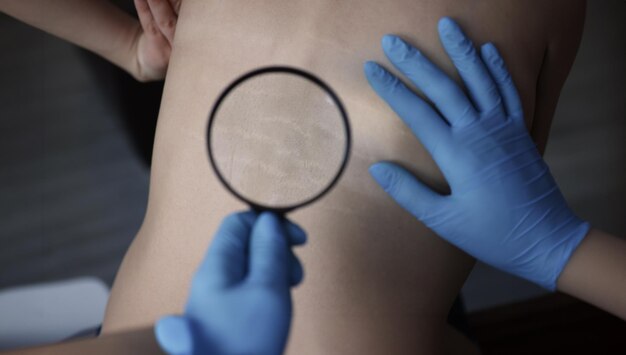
x=297, y=271
x=269, y=252
x=227, y=258
x=164, y=17
x=297, y=235
x=470, y=66
x=174, y=335
x=418, y=115
x=506, y=86
x=415, y=197
x=436, y=85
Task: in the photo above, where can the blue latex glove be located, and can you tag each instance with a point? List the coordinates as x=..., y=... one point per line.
x=240, y=300
x=505, y=208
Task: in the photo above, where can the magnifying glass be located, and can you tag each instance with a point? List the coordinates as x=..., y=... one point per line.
x=278, y=138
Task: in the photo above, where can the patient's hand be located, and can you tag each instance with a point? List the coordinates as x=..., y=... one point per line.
x=240, y=300
x=154, y=44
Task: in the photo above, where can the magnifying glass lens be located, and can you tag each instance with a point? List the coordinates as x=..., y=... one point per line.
x=278, y=139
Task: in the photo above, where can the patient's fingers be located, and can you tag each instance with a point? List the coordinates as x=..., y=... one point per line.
x=470, y=66
x=146, y=19
x=421, y=118
x=436, y=85
x=164, y=17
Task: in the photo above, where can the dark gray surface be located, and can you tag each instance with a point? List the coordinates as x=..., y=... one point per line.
x=72, y=193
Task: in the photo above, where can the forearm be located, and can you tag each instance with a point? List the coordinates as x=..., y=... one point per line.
x=596, y=272
x=96, y=25
x=140, y=341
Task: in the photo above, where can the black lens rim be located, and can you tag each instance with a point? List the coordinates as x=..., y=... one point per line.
x=314, y=79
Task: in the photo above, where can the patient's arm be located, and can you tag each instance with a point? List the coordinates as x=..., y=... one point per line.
x=101, y=27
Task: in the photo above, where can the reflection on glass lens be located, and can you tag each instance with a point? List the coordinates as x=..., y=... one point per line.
x=278, y=139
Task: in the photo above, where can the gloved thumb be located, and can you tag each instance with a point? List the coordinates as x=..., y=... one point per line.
x=405, y=188
x=174, y=335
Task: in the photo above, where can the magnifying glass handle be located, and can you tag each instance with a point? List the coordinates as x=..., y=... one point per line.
x=280, y=212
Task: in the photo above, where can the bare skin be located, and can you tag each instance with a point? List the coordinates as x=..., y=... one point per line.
x=360, y=295
x=142, y=48
x=596, y=272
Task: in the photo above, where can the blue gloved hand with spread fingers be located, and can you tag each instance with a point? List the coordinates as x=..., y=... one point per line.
x=504, y=208
x=240, y=300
